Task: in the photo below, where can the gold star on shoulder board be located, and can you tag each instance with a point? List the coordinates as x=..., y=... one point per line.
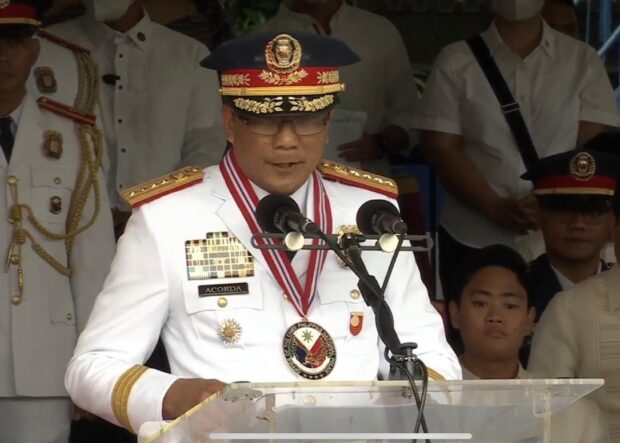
x=229, y=331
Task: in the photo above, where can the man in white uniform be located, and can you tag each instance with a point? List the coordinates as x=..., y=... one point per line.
x=226, y=310
x=56, y=237
x=159, y=108
x=565, y=97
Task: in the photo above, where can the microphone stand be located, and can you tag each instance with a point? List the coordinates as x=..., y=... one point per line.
x=402, y=356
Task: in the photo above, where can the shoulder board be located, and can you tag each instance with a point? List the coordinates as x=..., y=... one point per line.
x=66, y=111
x=62, y=42
x=164, y=185
x=356, y=177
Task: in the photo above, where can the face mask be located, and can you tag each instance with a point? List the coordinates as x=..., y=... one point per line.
x=107, y=10
x=516, y=10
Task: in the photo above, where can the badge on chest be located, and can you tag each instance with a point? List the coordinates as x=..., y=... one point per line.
x=309, y=350
x=220, y=255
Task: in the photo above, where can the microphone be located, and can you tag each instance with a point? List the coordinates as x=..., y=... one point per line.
x=279, y=213
x=110, y=79
x=380, y=217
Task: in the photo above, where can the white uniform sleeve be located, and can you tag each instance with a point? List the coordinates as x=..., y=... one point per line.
x=204, y=140
x=598, y=104
x=92, y=253
x=441, y=103
x=416, y=320
x=122, y=331
x=555, y=350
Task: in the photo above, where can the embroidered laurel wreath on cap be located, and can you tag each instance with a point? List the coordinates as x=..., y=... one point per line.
x=281, y=73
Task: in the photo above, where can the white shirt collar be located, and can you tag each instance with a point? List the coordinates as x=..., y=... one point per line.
x=300, y=195
x=565, y=282
x=140, y=34
x=16, y=115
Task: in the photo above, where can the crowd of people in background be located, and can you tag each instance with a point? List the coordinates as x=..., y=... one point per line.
x=526, y=289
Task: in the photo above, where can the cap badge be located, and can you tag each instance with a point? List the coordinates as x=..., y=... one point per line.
x=583, y=166
x=4, y=3
x=283, y=54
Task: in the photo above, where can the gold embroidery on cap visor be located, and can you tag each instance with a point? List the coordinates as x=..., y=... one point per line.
x=283, y=54
x=235, y=80
x=270, y=105
x=276, y=79
x=583, y=166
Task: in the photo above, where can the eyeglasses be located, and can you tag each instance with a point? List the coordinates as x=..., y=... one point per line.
x=590, y=217
x=308, y=124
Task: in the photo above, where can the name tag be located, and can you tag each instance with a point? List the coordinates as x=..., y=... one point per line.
x=223, y=289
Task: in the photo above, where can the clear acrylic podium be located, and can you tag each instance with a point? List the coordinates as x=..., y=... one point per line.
x=479, y=411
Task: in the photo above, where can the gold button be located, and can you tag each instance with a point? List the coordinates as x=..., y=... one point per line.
x=285, y=296
x=14, y=259
x=69, y=316
x=222, y=302
x=12, y=180
x=57, y=180
x=16, y=300
x=355, y=294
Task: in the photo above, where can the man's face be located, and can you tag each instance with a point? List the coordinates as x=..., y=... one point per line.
x=561, y=17
x=17, y=56
x=573, y=236
x=281, y=162
x=493, y=317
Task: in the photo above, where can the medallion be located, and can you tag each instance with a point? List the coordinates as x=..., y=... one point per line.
x=309, y=350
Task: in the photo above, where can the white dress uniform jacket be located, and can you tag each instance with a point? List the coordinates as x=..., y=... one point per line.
x=38, y=336
x=162, y=111
x=148, y=290
x=578, y=336
x=381, y=84
x=561, y=83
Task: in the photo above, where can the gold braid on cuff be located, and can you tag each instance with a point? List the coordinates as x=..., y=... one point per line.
x=120, y=394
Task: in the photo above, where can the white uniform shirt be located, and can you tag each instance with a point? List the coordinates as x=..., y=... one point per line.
x=37, y=337
x=382, y=83
x=149, y=286
x=163, y=111
x=560, y=83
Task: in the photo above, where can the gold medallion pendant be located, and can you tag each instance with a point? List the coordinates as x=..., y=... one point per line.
x=309, y=350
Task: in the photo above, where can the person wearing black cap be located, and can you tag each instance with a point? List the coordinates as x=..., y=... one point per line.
x=247, y=316
x=50, y=225
x=574, y=192
x=578, y=335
